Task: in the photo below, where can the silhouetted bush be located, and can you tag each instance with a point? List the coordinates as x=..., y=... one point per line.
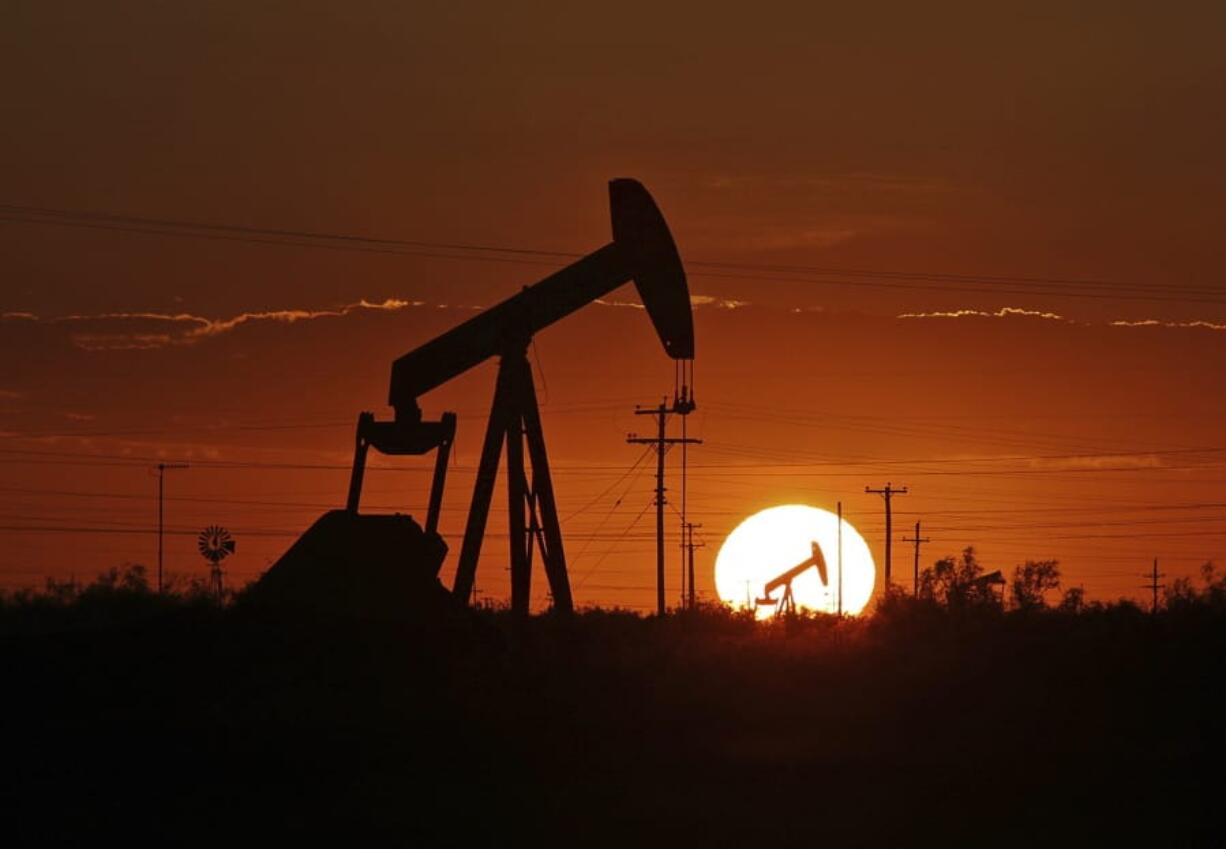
x=116, y=596
x=1183, y=597
x=1032, y=581
x=1073, y=601
x=957, y=583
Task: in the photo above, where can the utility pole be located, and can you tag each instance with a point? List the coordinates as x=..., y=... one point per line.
x=690, y=546
x=1154, y=585
x=162, y=467
x=917, y=539
x=887, y=494
x=840, y=558
x=661, y=443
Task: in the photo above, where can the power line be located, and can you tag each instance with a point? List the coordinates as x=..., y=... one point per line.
x=67, y=216
x=617, y=503
x=1153, y=585
x=610, y=487
x=178, y=428
x=629, y=527
x=909, y=427
x=1089, y=455
x=880, y=278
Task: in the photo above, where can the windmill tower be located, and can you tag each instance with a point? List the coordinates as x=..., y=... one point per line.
x=215, y=545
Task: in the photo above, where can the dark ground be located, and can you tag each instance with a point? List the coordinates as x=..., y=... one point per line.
x=185, y=724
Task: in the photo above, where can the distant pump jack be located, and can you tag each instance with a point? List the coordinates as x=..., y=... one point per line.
x=786, y=603
x=642, y=250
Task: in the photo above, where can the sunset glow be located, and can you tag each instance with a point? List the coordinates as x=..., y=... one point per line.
x=774, y=540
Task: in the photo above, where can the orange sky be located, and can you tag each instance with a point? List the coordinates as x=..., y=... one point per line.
x=966, y=146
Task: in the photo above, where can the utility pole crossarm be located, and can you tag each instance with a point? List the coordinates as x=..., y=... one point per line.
x=917, y=540
x=887, y=493
x=689, y=545
x=661, y=442
x=1154, y=586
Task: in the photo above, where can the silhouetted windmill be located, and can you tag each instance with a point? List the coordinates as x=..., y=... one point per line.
x=215, y=545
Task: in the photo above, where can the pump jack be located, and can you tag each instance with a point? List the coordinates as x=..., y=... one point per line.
x=787, y=604
x=642, y=250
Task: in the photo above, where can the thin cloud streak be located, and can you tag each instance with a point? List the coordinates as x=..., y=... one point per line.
x=1100, y=461
x=197, y=327
x=695, y=301
x=1003, y=312
x=188, y=328
x=1020, y=312
x=1153, y=322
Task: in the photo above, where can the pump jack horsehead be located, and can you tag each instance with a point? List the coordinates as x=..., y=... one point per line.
x=642, y=250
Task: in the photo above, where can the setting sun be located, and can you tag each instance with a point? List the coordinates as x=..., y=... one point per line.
x=770, y=543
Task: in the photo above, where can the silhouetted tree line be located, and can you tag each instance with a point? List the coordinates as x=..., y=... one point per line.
x=116, y=595
x=1183, y=595
x=956, y=584
x=962, y=582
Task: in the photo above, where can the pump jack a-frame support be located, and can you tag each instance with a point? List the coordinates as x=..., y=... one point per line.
x=533, y=517
x=642, y=250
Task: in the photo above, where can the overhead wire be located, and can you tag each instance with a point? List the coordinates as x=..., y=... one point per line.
x=1030, y=285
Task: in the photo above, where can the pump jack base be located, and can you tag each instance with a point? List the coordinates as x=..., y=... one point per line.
x=349, y=566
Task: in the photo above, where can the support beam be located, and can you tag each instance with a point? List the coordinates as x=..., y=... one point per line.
x=440, y=474
x=532, y=510
x=483, y=490
x=360, y=449
x=542, y=490
x=517, y=504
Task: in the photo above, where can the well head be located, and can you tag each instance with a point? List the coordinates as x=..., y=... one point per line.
x=646, y=243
